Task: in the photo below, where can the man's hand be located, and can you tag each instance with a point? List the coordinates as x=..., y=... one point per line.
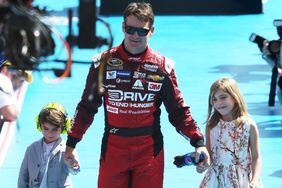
x=70, y=158
x=202, y=166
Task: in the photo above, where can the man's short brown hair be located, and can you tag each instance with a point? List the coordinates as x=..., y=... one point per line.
x=141, y=10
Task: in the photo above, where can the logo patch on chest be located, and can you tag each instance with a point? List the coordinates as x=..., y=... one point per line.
x=153, y=86
x=138, y=85
x=111, y=74
x=115, y=62
x=151, y=67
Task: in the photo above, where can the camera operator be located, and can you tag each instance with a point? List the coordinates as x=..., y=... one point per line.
x=272, y=52
x=11, y=80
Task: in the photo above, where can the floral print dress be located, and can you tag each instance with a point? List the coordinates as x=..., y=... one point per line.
x=230, y=155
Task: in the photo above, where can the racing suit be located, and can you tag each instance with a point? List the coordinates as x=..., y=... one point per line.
x=132, y=91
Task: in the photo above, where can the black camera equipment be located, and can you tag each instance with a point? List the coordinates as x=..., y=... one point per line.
x=272, y=46
x=271, y=52
x=87, y=39
x=259, y=40
x=26, y=41
x=24, y=37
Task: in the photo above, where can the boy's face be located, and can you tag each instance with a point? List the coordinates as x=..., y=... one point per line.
x=50, y=132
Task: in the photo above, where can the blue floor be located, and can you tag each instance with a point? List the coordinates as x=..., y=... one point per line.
x=204, y=48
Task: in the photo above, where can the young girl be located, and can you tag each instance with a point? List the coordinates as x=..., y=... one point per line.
x=232, y=139
x=43, y=164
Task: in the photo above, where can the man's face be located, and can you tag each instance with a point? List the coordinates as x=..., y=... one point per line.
x=17, y=78
x=135, y=37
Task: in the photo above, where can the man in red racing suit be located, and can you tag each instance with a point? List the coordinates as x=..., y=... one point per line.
x=132, y=89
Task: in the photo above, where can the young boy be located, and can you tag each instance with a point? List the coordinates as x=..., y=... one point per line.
x=43, y=164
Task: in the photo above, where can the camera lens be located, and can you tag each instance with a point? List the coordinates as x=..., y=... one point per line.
x=277, y=23
x=274, y=46
x=259, y=40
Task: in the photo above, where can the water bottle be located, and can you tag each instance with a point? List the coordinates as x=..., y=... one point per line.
x=74, y=168
x=187, y=160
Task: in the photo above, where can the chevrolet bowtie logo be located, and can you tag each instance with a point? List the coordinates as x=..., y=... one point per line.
x=114, y=130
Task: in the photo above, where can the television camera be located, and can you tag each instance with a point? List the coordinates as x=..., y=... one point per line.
x=24, y=37
x=26, y=41
x=272, y=47
x=272, y=52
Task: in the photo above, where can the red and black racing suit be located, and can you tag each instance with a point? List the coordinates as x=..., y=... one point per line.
x=134, y=86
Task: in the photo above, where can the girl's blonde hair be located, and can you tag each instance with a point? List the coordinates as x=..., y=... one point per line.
x=229, y=86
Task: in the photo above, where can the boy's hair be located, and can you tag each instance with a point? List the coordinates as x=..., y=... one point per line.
x=239, y=110
x=141, y=10
x=52, y=116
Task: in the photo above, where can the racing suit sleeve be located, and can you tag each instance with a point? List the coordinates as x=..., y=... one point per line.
x=178, y=112
x=88, y=106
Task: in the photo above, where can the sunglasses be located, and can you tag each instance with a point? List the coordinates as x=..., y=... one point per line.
x=142, y=32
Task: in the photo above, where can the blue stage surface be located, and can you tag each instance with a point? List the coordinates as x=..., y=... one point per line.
x=205, y=48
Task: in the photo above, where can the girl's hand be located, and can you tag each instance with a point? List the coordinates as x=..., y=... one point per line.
x=202, y=166
x=255, y=184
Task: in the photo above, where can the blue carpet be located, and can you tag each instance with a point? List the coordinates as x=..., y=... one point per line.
x=204, y=48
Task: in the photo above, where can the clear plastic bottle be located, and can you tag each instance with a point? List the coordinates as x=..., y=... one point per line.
x=187, y=160
x=74, y=168
x=74, y=171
